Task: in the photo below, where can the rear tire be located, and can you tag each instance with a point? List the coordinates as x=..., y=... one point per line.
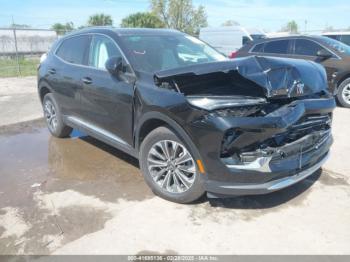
x=343, y=95
x=53, y=117
x=169, y=167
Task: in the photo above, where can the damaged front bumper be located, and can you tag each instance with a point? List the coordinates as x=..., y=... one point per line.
x=261, y=154
x=218, y=189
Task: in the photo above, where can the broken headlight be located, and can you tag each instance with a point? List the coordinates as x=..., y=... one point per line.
x=222, y=102
x=238, y=106
x=239, y=111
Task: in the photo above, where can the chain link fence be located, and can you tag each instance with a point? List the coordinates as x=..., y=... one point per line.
x=21, y=49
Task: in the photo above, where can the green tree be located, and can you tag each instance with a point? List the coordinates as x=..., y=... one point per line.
x=62, y=28
x=100, y=20
x=230, y=23
x=180, y=15
x=142, y=19
x=291, y=27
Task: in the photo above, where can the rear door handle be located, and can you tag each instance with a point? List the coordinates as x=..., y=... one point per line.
x=87, y=80
x=52, y=71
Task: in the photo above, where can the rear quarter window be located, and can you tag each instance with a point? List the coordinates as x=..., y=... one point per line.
x=73, y=49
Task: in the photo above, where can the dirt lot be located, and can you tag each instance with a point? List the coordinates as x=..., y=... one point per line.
x=79, y=196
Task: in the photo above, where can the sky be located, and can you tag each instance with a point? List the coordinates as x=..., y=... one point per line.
x=268, y=15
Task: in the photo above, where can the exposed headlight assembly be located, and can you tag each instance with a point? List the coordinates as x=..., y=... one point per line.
x=224, y=103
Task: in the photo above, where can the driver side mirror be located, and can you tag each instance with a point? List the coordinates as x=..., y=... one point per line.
x=114, y=65
x=324, y=54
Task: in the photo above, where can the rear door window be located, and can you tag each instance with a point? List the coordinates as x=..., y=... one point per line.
x=73, y=50
x=306, y=47
x=277, y=47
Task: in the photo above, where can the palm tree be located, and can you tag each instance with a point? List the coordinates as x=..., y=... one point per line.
x=100, y=20
x=291, y=27
x=146, y=19
x=63, y=28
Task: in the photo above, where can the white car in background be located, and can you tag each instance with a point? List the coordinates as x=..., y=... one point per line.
x=228, y=39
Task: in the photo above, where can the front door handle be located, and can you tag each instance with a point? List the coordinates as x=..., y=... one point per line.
x=52, y=71
x=87, y=80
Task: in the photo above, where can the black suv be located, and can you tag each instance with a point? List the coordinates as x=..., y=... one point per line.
x=196, y=121
x=332, y=54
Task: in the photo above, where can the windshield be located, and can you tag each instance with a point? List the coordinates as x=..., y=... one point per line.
x=339, y=46
x=152, y=53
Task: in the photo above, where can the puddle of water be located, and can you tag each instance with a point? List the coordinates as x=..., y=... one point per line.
x=32, y=162
x=33, y=159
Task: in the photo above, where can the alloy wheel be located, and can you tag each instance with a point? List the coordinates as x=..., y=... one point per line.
x=346, y=93
x=171, y=166
x=51, y=116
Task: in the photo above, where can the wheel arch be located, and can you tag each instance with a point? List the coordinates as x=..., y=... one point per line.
x=147, y=126
x=44, y=88
x=339, y=95
x=343, y=78
x=153, y=120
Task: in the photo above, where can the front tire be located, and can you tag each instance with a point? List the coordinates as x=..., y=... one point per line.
x=169, y=167
x=343, y=95
x=53, y=117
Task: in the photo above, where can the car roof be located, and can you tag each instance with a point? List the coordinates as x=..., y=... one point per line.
x=337, y=33
x=125, y=31
x=311, y=37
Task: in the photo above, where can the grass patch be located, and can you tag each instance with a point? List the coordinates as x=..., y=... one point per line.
x=28, y=67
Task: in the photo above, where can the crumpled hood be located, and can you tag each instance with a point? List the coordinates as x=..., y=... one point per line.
x=279, y=77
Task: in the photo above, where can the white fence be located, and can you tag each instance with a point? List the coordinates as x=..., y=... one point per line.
x=25, y=41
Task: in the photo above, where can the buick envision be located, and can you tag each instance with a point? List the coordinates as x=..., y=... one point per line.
x=196, y=121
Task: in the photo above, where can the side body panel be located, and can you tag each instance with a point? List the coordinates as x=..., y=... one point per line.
x=108, y=103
